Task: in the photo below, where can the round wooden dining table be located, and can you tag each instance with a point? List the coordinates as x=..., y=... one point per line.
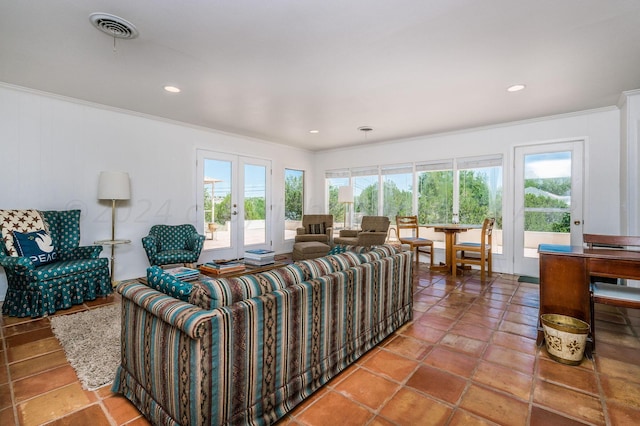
x=450, y=230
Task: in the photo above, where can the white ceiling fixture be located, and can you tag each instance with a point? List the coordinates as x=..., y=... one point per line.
x=113, y=25
x=172, y=89
x=314, y=131
x=516, y=88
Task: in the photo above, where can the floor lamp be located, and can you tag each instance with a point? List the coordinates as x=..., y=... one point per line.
x=345, y=195
x=113, y=186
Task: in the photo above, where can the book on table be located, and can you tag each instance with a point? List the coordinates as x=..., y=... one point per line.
x=254, y=262
x=183, y=273
x=259, y=257
x=222, y=267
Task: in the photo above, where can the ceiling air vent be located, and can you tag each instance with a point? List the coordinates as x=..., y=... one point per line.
x=113, y=25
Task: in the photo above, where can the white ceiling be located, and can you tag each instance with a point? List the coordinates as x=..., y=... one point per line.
x=275, y=69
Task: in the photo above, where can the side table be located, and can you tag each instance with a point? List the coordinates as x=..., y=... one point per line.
x=113, y=244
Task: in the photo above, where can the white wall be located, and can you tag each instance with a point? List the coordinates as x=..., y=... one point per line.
x=630, y=155
x=600, y=129
x=53, y=150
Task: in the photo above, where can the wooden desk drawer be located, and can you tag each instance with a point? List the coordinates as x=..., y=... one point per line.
x=614, y=268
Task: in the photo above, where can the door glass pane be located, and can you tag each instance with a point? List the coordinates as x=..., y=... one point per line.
x=547, y=200
x=255, y=197
x=293, y=196
x=365, y=197
x=217, y=203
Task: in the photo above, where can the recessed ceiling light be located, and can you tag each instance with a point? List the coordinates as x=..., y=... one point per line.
x=172, y=89
x=516, y=88
x=365, y=129
x=314, y=131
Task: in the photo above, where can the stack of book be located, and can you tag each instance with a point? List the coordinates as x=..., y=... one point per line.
x=183, y=274
x=222, y=267
x=259, y=257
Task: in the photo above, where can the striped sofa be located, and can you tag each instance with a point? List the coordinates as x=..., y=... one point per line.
x=246, y=350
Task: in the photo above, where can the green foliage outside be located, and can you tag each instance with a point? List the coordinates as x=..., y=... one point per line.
x=435, y=197
x=476, y=200
x=335, y=208
x=366, y=204
x=397, y=202
x=548, y=221
x=254, y=209
x=293, y=188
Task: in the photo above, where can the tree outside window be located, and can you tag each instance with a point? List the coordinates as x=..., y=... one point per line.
x=293, y=201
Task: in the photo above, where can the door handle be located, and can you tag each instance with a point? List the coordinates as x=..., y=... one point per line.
x=234, y=213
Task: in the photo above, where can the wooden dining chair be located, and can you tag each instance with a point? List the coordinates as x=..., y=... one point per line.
x=414, y=241
x=480, y=252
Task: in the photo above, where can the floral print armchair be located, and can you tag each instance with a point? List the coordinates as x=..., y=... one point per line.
x=46, y=268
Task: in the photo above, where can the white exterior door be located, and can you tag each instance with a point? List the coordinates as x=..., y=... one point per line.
x=548, y=200
x=233, y=204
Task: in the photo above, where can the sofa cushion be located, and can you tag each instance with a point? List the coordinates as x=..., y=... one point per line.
x=21, y=221
x=216, y=293
x=36, y=245
x=168, y=284
x=60, y=269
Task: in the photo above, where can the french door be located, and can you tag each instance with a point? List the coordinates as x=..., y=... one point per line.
x=233, y=204
x=548, y=200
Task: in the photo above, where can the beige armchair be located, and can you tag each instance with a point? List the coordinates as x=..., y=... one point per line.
x=373, y=232
x=315, y=227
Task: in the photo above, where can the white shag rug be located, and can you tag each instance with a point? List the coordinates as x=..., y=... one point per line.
x=91, y=341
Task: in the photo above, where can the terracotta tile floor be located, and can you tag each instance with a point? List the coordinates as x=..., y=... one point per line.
x=467, y=358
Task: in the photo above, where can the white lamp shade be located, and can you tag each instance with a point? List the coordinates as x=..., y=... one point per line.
x=114, y=186
x=345, y=194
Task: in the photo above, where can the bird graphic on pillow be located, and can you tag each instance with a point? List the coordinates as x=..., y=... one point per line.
x=44, y=242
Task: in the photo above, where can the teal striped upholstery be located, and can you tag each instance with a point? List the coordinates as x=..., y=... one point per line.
x=254, y=360
x=78, y=273
x=216, y=293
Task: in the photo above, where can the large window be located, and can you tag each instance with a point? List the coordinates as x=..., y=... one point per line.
x=397, y=193
x=435, y=192
x=335, y=180
x=293, y=201
x=469, y=188
x=365, y=193
x=480, y=189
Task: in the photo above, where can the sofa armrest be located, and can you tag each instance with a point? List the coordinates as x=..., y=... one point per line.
x=195, y=242
x=182, y=315
x=349, y=232
x=300, y=231
x=150, y=244
x=18, y=265
x=82, y=252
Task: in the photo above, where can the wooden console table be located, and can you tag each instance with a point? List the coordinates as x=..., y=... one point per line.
x=565, y=276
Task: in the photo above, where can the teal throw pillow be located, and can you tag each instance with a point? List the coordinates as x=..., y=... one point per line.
x=168, y=284
x=37, y=246
x=337, y=249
